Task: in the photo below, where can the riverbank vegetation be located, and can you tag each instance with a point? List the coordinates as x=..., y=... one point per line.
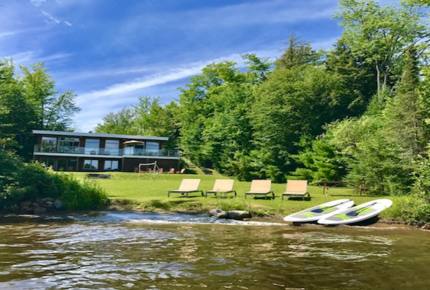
x=22, y=184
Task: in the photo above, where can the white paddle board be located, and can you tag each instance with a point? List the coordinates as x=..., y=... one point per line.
x=317, y=212
x=357, y=213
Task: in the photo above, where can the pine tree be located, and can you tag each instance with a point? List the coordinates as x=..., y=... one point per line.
x=297, y=53
x=404, y=115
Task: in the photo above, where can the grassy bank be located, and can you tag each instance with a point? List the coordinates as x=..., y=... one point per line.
x=149, y=192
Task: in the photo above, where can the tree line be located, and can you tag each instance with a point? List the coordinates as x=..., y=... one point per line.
x=357, y=113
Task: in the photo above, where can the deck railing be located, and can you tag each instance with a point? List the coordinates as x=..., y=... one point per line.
x=105, y=151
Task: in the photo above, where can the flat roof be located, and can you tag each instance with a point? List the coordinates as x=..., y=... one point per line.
x=99, y=135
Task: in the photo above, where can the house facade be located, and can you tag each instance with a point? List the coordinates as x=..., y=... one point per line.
x=71, y=151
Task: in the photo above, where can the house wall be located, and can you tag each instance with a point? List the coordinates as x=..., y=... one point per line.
x=38, y=140
x=71, y=163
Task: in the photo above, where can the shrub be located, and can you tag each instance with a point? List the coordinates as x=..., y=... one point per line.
x=20, y=182
x=413, y=209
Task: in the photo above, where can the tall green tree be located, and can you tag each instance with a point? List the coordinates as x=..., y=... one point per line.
x=215, y=124
x=405, y=115
x=291, y=103
x=54, y=110
x=121, y=122
x=148, y=117
x=155, y=119
x=298, y=53
x=380, y=35
x=355, y=78
x=17, y=115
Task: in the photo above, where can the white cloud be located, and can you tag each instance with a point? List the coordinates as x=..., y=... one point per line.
x=52, y=19
x=127, y=87
x=30, y=57
x=12, y=33
x=21, y=58
x=7, y=33
x=96, y=73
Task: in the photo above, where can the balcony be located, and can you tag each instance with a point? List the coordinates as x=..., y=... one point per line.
x=129, y=151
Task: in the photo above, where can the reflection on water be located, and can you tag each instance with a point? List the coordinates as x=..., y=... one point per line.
x=151, y=251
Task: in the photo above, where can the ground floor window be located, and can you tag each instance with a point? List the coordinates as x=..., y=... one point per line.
x=67, y=164
x=111, y=165
x=90, y=164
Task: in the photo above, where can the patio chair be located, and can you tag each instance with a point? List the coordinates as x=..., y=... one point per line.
x=222, y=187
x=261, y=188
x=187, y=186
x=297, y=189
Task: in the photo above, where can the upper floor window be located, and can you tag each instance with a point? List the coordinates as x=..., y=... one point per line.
x=48, y=144
x=112, y=147
x=68, y=144
x=92, y=146
x=152, y=146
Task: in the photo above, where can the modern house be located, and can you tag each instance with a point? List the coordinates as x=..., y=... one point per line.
x=71, y=151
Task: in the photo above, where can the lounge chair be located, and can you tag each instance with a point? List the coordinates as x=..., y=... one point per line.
x=261, y=188
x=222, y=187
x=297, y=189
x=187, y=186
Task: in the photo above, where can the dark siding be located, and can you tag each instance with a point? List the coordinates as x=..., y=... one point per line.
x=132, y=164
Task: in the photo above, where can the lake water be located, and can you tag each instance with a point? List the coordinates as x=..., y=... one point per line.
x=150, y=251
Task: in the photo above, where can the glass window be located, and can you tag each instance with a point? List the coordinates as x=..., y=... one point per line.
x=68, y=145
x=112, y=147
x=48, y=144
x=91, y=164
x=152, y=146
x=111, y=165
x=92, y=146
x=129, y=150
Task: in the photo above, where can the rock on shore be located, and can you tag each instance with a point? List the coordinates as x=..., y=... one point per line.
x=41, y=206
x=231, y=214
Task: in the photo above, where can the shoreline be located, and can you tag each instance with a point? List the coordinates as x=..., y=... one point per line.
x=118, y=206
x=127, y=205
x=380, y=223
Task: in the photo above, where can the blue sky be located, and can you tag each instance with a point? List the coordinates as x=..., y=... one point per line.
x=110, y=52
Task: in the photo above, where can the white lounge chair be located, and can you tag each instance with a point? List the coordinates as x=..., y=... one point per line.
x=296, y=189
x=222, y=187
x=261, y=188
x=187, y=186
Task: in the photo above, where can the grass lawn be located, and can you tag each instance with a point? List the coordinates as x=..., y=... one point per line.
x=149, y=192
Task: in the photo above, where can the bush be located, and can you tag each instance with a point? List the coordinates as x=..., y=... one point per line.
x=412, y=209
x=20, y=182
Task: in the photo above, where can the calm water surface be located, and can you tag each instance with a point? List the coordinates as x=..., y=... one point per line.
x=149, y=251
